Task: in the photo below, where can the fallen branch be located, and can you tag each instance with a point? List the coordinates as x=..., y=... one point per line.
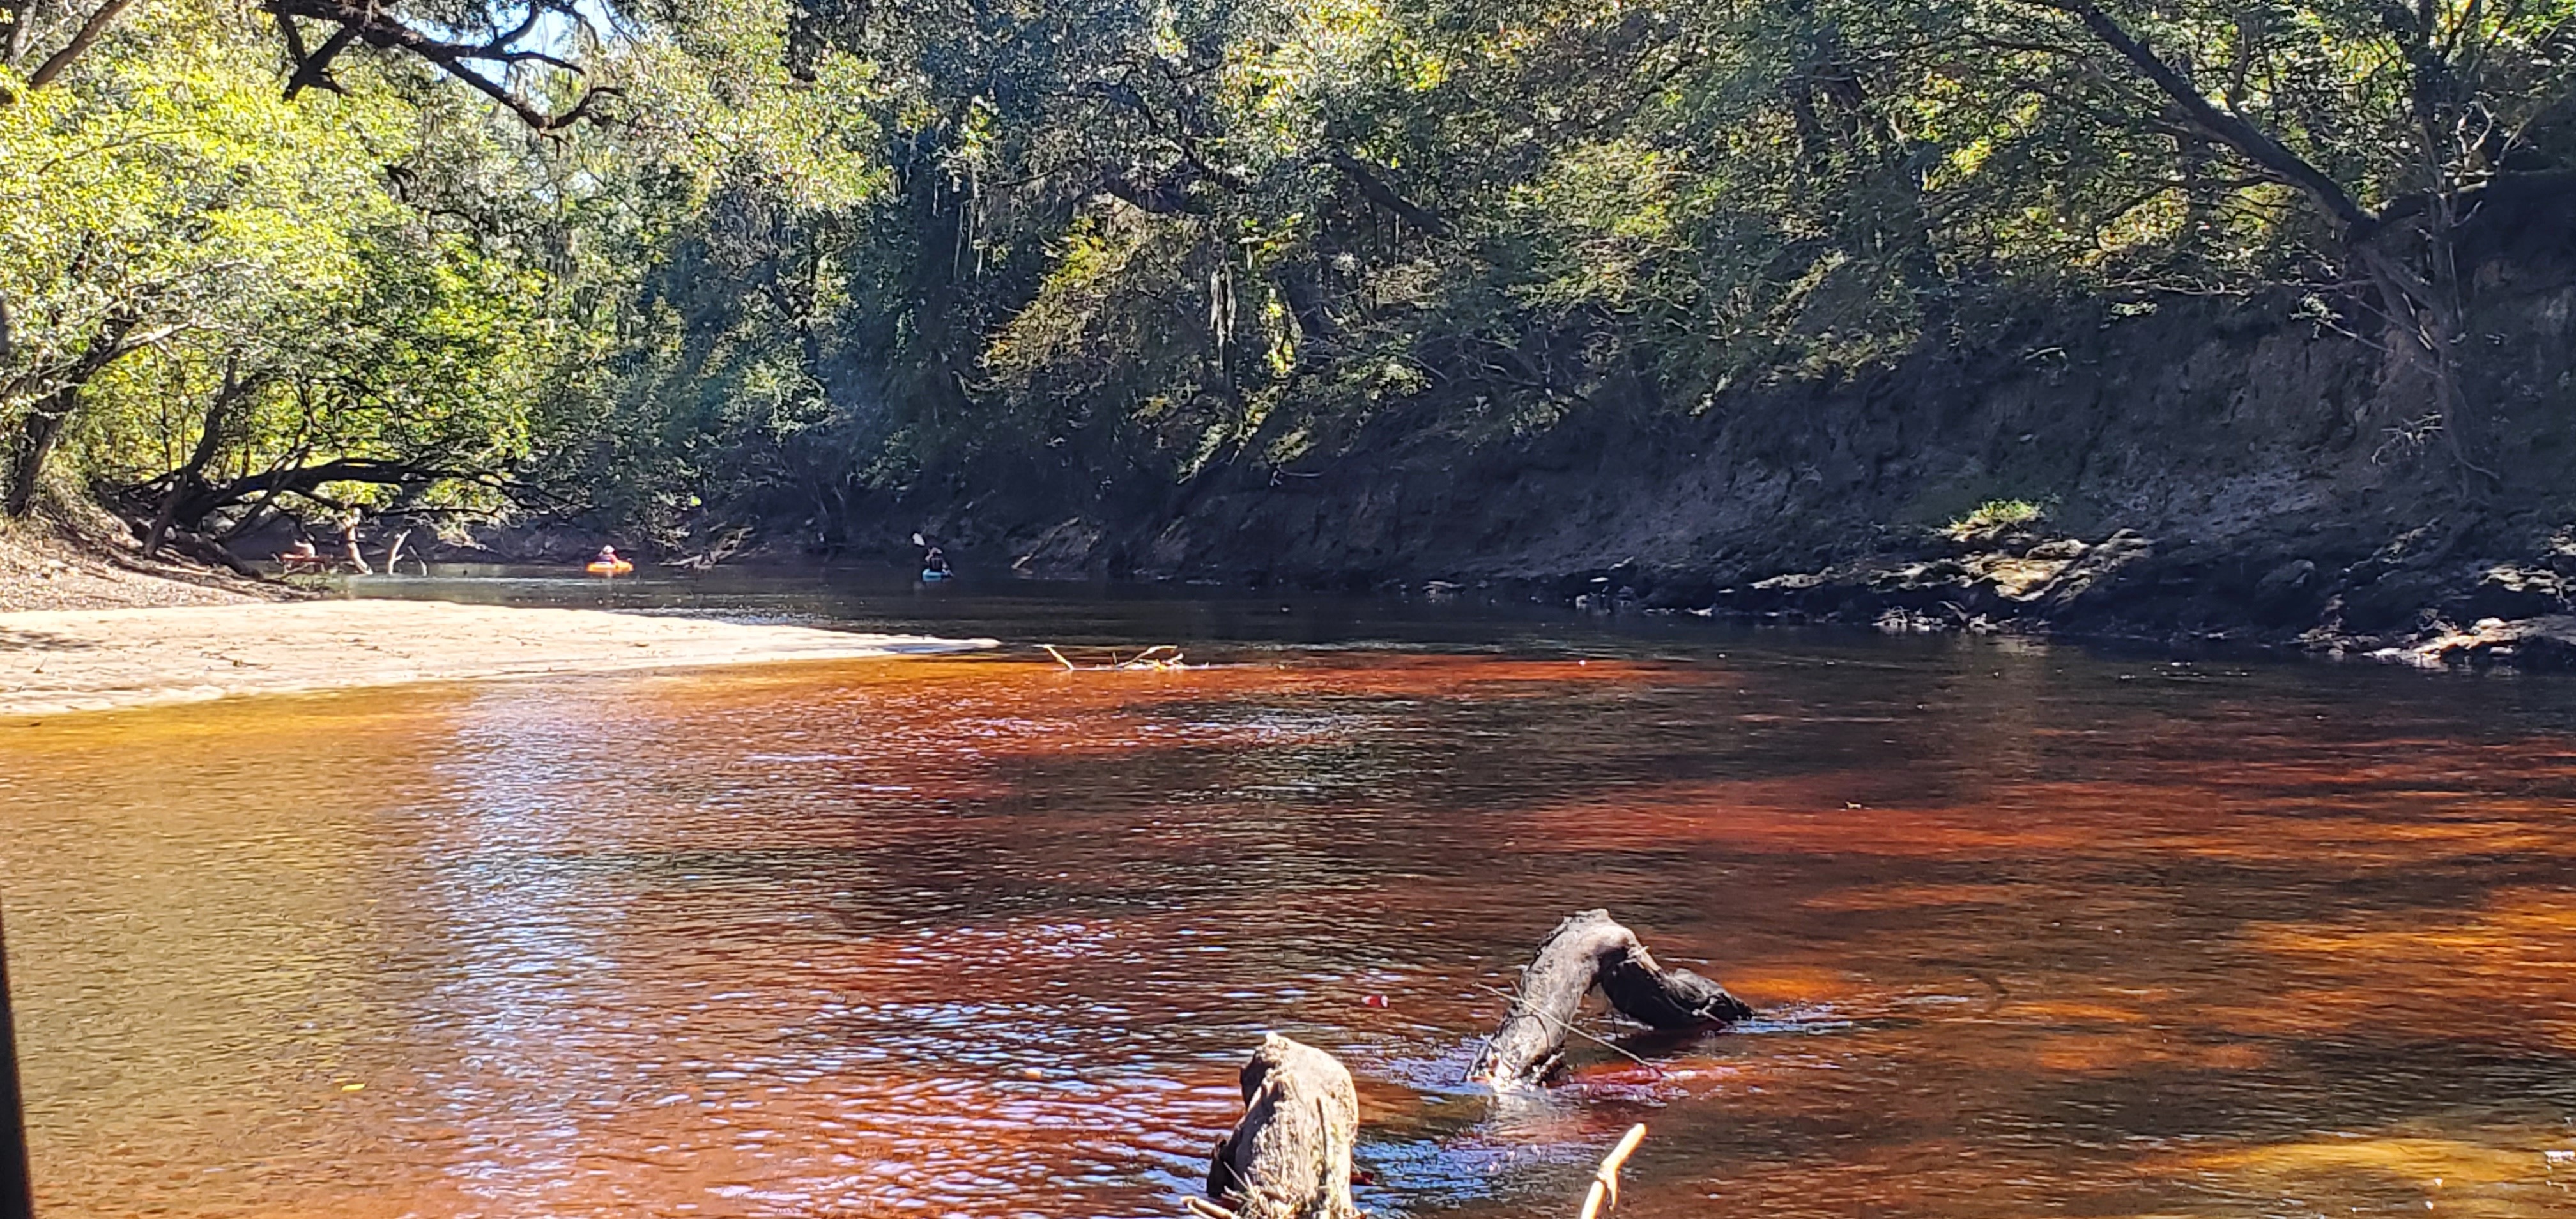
x=1586, y=950
x=1150, y=660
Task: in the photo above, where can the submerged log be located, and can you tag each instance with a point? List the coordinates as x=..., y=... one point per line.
x=1586, y=950
x=1290, y=1155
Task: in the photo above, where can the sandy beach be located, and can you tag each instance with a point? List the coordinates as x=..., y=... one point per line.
x=57, y=661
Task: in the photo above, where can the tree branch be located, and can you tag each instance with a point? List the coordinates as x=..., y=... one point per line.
x=2247, y=139
x=303, y=480
x=90, y=32
x=1373, y=186
x=313, y=70
x=370, y=22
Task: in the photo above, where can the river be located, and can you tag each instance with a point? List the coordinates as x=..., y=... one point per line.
x=2032, y=930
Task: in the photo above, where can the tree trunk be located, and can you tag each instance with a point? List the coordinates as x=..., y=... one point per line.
x=44, y=424
x=1586, y=950
x=1373, y=186
x=192, y=475
x=207, y=551
x=35, y=445
x=17, y=1196
x=1290, y=1155
x=2430, y=317
x=1301, y=285
x=17, y=34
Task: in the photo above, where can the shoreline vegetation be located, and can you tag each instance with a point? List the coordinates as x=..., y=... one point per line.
x=64, y=661
x=1748, y=309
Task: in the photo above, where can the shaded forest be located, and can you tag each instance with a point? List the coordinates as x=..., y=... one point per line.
x=803, y=273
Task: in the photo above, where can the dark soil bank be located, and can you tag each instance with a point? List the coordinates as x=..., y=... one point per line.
x=2210, y=469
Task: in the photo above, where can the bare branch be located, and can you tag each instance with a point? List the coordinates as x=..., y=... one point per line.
x=313, y=70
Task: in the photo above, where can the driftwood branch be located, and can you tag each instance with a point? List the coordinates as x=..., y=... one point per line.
x=1150, y=660
x=1290, y=1155
x=1587, y=950
x=1604, y=1194
x=394, y=551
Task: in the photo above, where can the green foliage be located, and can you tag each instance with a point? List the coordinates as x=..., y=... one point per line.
x=1994, y=516
x=164, y=197
x=820, y=251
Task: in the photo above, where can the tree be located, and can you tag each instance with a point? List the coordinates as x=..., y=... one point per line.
x=124, y=226
x=2430, y=105
x=176, y=232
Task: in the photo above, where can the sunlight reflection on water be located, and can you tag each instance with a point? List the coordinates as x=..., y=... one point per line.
x=980, y=937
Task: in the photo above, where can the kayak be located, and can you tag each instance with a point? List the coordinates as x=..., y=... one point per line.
x=928, y=574
x=618, y=568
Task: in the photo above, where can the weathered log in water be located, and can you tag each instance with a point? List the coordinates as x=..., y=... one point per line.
x=1667, y=998
x=1290, y=1155
x=1586, y=950
x=1532, y=1037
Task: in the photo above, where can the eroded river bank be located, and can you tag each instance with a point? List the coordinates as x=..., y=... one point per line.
x=2030, y=929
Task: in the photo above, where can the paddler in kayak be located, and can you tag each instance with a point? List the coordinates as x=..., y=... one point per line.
x=606, y=563
x=934, y=561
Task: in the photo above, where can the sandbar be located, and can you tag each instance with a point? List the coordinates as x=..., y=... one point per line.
x=57, y=661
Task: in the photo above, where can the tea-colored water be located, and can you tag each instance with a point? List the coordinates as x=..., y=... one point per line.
x=2034, y=932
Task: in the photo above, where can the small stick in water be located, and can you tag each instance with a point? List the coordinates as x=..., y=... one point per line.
x=1148, y=660
x=1605, y=1180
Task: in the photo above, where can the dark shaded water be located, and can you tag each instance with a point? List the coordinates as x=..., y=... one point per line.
x=2034, y=931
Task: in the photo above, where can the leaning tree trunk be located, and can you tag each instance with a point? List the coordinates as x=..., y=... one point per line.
x=191, y=476
x=1290, y=1156
x=1586, y=950
x=35, y=446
